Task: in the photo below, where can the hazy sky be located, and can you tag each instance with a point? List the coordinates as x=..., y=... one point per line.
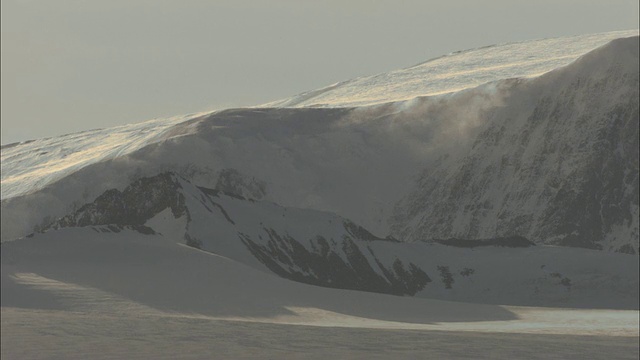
x=72, y=65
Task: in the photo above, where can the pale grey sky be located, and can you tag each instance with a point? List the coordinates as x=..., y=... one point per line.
x=73, y=65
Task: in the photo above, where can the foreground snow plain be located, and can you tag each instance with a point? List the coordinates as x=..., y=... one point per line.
x=73, y=335
x=74, y=294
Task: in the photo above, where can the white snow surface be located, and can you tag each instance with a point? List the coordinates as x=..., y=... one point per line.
x=32, y=165
x=73, y=269
x=358, y=163
x=537, y=275
x=454, y=72
x=80, y=293
x=76, y=294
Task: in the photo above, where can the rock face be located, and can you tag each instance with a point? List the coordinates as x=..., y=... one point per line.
x=319, y=248
x=139, y=202
x=342, y=266
x=557, y=164
x=233, y=182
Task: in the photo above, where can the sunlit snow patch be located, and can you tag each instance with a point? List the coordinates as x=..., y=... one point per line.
x=454, y=72
x=31, y=165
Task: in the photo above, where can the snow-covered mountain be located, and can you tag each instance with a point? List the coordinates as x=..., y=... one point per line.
x=320, y=248
x=305, y=245
x=473, y=187
x=32, y=165
x=551, y=158
x=557, y=162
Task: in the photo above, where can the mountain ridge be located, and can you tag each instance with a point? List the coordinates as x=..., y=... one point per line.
x=362, y=162
x=323, y=249
x=575, y=139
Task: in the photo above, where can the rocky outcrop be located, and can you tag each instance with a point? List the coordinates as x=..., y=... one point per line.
x=139, y=202
x=348, y=267
x=231, y=181
x=344, y=261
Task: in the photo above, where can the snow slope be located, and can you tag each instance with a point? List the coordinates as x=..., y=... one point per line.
x=74, y=293
x=323, y=249
x=75, y=270
x=556, y=163
x=261, y=192
x=51, y=334
x=166, y=276
x=454, y=72
x=31, y=165
x=368, y=163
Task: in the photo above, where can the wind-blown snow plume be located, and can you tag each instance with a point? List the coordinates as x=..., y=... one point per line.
x=454, y=72
x=441, y=154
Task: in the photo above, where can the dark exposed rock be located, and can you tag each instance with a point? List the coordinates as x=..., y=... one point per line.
x=231, y=181
x=447, y=277
x=323, y=266
x=626, y=249
x=466, y=272
x=193, y=242
x=510, y=241
x=359, y=232
x=139, y=202
x=332, y=263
